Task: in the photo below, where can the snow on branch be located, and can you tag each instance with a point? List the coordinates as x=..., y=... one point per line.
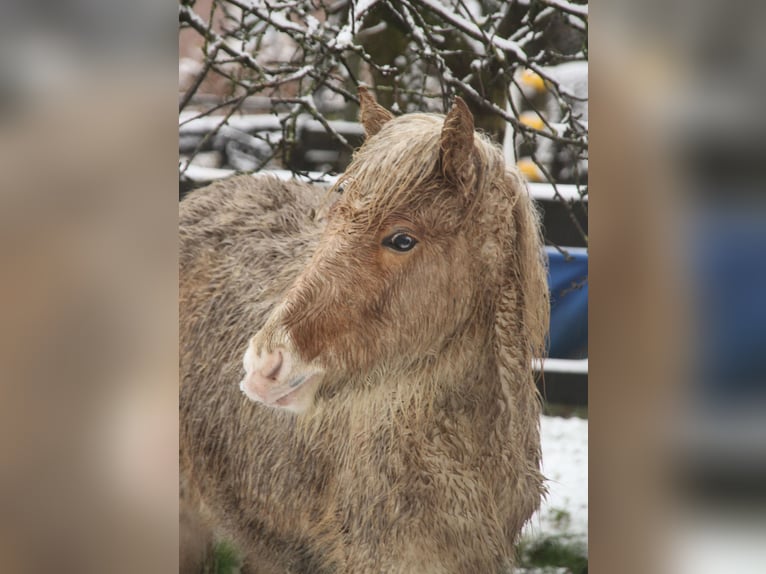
x=522, y=66
x=568, y=7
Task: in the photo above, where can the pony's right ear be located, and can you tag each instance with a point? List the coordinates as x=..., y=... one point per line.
x=371, y=113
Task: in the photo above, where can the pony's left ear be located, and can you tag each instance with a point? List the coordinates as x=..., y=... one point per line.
x=371, y=114
x=457, y=150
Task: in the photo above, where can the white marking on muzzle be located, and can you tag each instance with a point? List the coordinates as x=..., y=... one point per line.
x=278, y=378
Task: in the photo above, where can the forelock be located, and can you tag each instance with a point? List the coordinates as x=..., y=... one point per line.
x=397, y=170
x=393, y=169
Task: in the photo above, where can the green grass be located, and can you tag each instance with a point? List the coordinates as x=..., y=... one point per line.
x=539, y=554
x=553, y=552
x=226, y=559
x=561, y=518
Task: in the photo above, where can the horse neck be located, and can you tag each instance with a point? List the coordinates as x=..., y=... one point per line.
x=461, y=379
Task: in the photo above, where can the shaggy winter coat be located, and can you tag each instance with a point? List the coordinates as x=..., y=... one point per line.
x=418, y=449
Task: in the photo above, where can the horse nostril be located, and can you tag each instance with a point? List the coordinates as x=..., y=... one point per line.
x=272, y=365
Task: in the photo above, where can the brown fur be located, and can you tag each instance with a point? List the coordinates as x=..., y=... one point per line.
x=372, y=115
x=421, y=452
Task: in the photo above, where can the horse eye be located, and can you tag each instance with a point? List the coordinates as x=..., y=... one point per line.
x=400, y=242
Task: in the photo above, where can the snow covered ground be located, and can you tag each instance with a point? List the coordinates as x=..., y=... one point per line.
x=564, y=513
x=556, y=539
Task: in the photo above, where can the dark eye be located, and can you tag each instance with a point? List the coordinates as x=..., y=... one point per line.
x=400, y=242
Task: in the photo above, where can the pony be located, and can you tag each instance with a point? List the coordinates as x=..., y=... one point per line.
x=357, y=392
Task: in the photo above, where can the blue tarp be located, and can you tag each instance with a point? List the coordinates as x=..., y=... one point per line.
x=568, y=284
x=728, y=272
x=729, y=280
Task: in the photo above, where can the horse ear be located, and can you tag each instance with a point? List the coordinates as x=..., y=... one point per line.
x=457, y=150
x=371, y=113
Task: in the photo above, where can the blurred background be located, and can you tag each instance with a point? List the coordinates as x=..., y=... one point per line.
x=678, y=446
x=108, y=114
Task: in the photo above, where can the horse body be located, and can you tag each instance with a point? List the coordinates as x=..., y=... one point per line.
x=388, y=420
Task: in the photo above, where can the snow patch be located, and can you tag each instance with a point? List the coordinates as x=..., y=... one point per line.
x=344, y=38
x=564, y=512
x=312, y=25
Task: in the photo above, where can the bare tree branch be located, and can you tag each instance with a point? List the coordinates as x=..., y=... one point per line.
x=305, y=58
